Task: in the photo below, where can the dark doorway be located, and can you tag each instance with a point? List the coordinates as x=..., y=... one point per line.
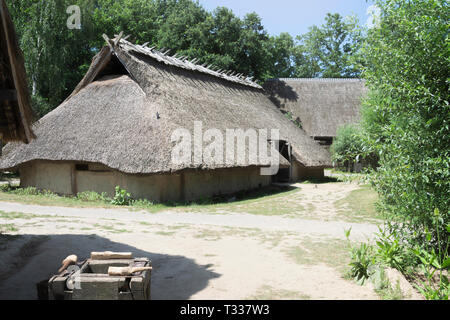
x=284, y=174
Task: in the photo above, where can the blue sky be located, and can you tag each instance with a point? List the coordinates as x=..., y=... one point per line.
x=293, y=16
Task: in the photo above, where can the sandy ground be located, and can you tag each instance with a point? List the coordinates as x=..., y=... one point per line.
x=195, y=255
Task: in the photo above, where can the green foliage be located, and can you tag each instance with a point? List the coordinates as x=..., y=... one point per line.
x=393, y=251
x=5, y=187
x=297, y=121
x=57, y=57
x=142, y=203
x=28, y=191
x=330, y=51
x=407, y=116
x=430, y=264
x=361, y=261
x=91, y=196
x=121, y=197
x=433, y=261
x=350, y=147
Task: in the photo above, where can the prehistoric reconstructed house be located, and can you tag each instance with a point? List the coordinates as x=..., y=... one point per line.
x=319, y=106
x=15, y=110
x=116, y=129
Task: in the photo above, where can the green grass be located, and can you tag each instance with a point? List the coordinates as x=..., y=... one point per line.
x=359, y=206
x=344, y=176
x=165, y=233
x=269, y=293
x=88, y=199
x=333, y=253
x=21, y=215
x=266, y=201
x=217, y=234
x=271, y=200
x=110, y=228
x=9, y=227
x=31, y=195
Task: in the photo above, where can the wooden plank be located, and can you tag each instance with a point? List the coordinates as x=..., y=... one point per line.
x=107, y=255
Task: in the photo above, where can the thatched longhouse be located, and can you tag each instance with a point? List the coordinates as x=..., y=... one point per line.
x=115, y=130
x=321, y=106
x=15, y=110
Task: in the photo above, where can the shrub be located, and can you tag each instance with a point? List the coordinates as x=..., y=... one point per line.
x=121, y=197
x=361, y=262
x=349, y=147
x=406, y=117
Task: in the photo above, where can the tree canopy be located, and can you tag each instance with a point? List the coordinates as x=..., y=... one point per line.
x=57, y=57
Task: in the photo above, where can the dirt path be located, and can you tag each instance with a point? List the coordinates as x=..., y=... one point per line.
x=196, y=255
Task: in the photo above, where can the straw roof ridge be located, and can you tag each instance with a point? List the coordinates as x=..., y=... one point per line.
x=184, y=63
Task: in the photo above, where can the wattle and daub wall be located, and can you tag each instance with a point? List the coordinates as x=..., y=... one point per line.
x=70, y=178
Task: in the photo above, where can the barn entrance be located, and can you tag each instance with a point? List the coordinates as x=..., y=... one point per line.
x=284, y=174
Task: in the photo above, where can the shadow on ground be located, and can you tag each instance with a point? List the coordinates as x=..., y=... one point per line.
x=28, y=259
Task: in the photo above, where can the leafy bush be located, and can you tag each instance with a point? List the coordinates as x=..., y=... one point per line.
x=433, y=261
x=407, y=116
x=390, y=252
x=361, y=262
x=349, y=147
x=121, y=197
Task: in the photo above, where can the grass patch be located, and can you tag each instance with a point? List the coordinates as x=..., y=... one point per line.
x=110, y=228
x=345, y=176
x=271, y=200
x=269, y=293
x=165, y=233
x=268, y=200
x=9, y=227
x=325, y=179
x=21, y=215
x=333, y=253
x=31, y=195
x=209, y=235
x=359, y=206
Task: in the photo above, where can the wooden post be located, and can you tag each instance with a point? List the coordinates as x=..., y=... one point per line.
x=73, y=179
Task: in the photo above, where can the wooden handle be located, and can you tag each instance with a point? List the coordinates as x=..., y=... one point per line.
x=72, y=259
x=106, y=255
x=126, y=271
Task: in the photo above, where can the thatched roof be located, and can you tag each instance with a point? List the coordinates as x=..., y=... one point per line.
x=321, y=105
x=123, y=112
x=15, y=110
